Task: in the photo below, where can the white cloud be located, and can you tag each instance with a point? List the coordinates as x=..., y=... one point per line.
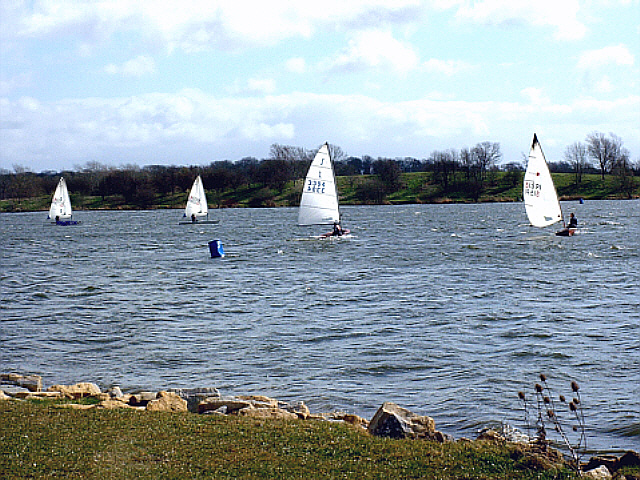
x=296, y=65
x=195, y=25
x=613, y=55
x=262, y=85
x=162, y=128
x=560, y=14
x=375, y=50
x=136, y=67
x=253, y=86
x=535, y=96
x=446, y=67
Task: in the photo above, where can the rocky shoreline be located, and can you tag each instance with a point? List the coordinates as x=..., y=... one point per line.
x=390, y=420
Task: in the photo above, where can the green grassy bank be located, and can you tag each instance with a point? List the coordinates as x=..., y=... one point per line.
x=42, y=440
x=355, y=190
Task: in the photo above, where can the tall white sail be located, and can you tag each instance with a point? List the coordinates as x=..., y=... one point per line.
x=319, y=202
x=197, y=202
x=540, y=197
x=60, y=203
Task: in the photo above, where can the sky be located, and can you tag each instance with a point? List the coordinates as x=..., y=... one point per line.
x=190, y=82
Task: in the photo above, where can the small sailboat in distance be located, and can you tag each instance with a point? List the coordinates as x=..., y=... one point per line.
x=319, y=201
x=60, y=209
x=540, y=196
x=197, y=204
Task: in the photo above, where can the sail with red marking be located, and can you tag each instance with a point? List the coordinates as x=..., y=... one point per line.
x=540, y=197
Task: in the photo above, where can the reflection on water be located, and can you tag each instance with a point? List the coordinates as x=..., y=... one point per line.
x=448, y=310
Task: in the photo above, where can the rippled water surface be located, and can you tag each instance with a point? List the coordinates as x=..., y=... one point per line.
x=448, y=310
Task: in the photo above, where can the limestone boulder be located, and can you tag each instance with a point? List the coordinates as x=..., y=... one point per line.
x=167, y=402
x=194, y=396
x=33, y=383
x=394, y=421
x=39, y=395
x=141, y=399
x=79, y=390
x=599, y=473
x=349, y=418
x=300, y=409
x=260, y=400
x=115, y=392
x=272, y=413
x=4, y=396
x=113, y=403
x=231, y=405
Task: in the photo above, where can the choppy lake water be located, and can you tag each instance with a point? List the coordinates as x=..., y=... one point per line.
x=447, y=310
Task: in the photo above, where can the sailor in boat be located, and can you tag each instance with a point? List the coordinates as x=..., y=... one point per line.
x=193, y=218
x=337, y=230
x=570, y=229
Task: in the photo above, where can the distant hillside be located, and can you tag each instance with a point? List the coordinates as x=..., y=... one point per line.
x=421, y=187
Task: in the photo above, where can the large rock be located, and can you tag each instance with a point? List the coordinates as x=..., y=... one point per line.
x=167, y=402
x=394, y=421
x=629, y=459
x=39, y=395
x=231, y=405
x=600, y=473
x=79, y=390
x=260, y=400
x=141, y=399
x=614, y=463
x=113, y=403
x=194, y=396
x=272, y=413
x=33, y=383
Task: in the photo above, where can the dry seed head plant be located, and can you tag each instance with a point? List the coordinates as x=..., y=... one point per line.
x=548, y=416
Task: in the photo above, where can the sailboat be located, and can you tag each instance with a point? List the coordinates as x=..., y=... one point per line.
x=60, y=209
x=540, y=197
x=197, y=204
x=319, y=201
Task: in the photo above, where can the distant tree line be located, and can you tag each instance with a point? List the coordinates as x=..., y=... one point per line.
x=471, y=169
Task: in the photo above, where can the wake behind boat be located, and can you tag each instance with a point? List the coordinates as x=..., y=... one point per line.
x=540, y=196
x=60, y=210
x=319, y=201
x=197, y=205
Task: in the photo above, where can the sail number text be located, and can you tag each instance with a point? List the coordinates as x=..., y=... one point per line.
x=532, y=189
x=316, y=186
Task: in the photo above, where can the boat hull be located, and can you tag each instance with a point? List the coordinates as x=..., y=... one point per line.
x=566, y=232
x=200, y=222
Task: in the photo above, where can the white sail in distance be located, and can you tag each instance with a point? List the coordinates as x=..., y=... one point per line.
x=540, y=197
x=319, y=201
x=197, y=202
x=60, y=203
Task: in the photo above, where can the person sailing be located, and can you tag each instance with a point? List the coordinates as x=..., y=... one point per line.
x=573, y=221
x=337, y=229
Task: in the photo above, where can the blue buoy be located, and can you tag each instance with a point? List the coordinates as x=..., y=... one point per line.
x=215, y=247
x=581, y=201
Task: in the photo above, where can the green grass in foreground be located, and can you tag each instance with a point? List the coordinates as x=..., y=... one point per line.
x=40, y=440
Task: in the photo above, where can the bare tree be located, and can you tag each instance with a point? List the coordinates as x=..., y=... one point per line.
x=337, y=155
x=605, y=151
x=576, y=155
x=486, y=155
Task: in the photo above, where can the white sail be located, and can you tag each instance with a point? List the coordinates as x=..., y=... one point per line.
x=197, y=202
x=319, y=202
x=60, y=203
x=540, y=197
